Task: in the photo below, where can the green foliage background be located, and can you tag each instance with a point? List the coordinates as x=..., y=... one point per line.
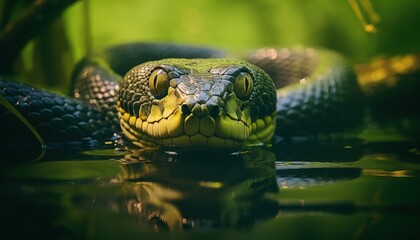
x=233, y=25
x=238, y=25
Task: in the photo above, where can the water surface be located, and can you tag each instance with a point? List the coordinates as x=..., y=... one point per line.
x=328, y=189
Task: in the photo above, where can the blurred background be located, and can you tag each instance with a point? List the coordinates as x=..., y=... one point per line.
x=235, y=25
x=383, y=197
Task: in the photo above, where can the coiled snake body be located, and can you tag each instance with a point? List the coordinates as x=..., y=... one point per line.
x=183, y=97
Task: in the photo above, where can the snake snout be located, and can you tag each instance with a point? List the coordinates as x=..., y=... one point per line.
x=200, y=110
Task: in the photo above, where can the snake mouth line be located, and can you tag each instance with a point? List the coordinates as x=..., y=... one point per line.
x=186, y=131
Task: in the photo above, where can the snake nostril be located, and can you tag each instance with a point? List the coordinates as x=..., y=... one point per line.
x=186, y=110
x=213, y=110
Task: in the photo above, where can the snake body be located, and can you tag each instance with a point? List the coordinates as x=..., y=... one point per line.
x=183, y=97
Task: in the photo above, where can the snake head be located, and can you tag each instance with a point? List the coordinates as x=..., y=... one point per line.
x=197, y=103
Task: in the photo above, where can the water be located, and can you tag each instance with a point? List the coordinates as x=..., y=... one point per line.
x=341, y=189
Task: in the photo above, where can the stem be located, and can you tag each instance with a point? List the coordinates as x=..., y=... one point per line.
x=29, y=23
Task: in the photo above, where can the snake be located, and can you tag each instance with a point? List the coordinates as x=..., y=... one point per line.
x=187, y=97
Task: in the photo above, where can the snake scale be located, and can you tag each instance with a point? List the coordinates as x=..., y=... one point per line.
x=183, y=97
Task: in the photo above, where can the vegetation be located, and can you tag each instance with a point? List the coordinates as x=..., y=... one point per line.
x=48, y=59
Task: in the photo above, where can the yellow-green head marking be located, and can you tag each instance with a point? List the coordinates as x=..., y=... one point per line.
x=197, y=104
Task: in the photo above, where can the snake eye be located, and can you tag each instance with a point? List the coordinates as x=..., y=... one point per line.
x=159, y=83
x=243, y=85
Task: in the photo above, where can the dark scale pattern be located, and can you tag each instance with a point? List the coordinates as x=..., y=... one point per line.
x=135, y=96
x=56, y=118
x=261, y=99
x=325, y=101
x=285, y=65
x=99, y=88
x=122, y=58
x=322, y=107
